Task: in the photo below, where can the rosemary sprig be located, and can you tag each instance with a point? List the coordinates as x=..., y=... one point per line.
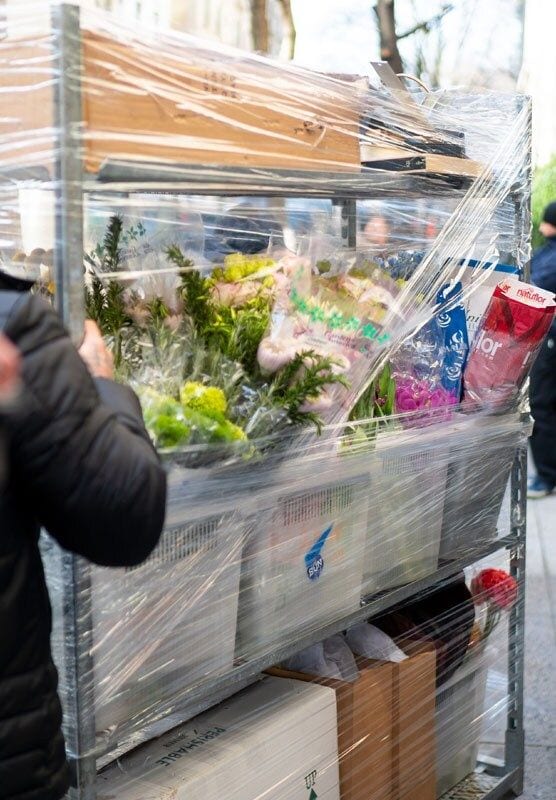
x=303, y=378
x=194, y=290
x=112, y=253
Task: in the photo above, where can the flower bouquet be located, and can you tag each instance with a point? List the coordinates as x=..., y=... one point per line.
x=216, y=381
x=495, y=592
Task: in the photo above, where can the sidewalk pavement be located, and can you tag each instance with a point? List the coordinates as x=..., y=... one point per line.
x=540, y=654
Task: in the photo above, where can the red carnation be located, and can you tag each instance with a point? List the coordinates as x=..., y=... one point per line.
x=495, y=586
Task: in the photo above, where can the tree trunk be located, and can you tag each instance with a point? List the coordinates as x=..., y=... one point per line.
x=259, y=26
x=288, y=43
x=386, y=18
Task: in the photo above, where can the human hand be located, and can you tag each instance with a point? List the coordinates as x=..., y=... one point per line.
x=10, y=366
x=95, y=354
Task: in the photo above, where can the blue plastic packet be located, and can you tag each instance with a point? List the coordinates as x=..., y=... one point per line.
x=452, y=327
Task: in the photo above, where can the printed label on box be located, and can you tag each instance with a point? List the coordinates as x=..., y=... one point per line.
x=314, y=561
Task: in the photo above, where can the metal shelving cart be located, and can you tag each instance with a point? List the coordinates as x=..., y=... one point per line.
x=70, y=183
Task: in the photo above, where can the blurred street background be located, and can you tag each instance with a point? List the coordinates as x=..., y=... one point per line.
x=540, y=654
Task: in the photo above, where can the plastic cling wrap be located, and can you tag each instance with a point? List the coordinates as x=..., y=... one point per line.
x=333, y=722
x=296, y=273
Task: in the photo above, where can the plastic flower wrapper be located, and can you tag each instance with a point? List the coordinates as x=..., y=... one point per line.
x=425, y=388
x=277, y=376
x=313, y=315
x=125, y=304
x=200, y=416
x=511, y=333
x=494, y=593
x=365, y=282
x=451, y=324
x=147, y=228
x=202, y=408
x=188, y=398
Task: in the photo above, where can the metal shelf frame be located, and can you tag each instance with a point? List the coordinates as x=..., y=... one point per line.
x=71, y=184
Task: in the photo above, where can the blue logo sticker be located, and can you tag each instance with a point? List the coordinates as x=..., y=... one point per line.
x=314, y=562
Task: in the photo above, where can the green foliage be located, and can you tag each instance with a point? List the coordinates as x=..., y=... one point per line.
x=107, y=256
x=194, y=291
x=169, y=430
x=105, y=305
x=104, y=302
x=238, y=266
x=373, y=409
x=208, y=400
x=158, y=311
x=544, y=192
x=235, y=332
x=378, y=398
x=306, y=376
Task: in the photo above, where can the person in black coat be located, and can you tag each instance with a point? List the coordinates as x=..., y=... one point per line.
x=543, y=375
x=81, y=465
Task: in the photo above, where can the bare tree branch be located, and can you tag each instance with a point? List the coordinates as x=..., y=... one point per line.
x=386, y=18
x=288, y=45
x=427, y=25
x=259, y=25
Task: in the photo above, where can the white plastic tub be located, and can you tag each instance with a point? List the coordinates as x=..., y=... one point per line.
x=404, y=522
x=162, y=627
x=478, y=473
x=303, y=564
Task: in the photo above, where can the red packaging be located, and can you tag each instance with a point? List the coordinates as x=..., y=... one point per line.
x=510, y=335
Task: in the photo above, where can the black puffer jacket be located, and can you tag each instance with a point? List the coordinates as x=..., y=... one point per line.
x=80, y=464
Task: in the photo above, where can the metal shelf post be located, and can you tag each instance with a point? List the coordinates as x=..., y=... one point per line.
x=68, y=264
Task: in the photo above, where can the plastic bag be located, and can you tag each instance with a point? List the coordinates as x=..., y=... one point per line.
x=370, y=642
x=329, y=659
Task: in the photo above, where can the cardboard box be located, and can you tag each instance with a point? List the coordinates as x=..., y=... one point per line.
x=414, y=728
x=192, y=105
x=365, y=720
x=27, y=123
x=200, y=106
x=386, y=728
x=277, y=739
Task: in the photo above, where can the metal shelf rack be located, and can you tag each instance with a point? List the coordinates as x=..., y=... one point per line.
x=71, y=183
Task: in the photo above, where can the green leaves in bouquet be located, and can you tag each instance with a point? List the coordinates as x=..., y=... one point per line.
x=373, y=409
x=195, y=290
x=106, y=257
x=304, y=379
x=104, y=300
x=234, y=331
x=237, y=332
x=105, y=304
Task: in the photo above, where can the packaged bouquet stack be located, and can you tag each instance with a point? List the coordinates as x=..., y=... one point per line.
x=316, y=285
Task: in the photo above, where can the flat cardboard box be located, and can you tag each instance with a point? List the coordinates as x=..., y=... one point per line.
x=27, y=83
x=183, y=106
x=386, y=728
x=434, y=163
x=197, y=107
x=277, y=739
